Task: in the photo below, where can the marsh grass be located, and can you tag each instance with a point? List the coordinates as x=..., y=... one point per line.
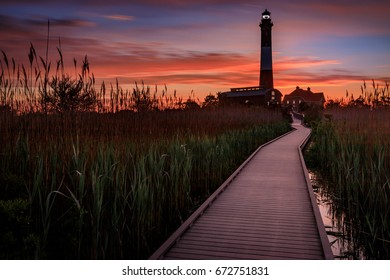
x=352, y=151
x=42, y=87
x=104, y=186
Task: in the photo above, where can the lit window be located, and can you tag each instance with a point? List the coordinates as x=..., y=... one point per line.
x=288, y=101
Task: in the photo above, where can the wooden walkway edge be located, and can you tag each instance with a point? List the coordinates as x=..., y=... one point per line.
x=256, y=213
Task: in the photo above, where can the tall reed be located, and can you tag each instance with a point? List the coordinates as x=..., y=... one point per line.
x=116, y=185
x=39, y=87
x=352, y=150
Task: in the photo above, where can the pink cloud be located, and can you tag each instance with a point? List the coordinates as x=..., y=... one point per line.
x=286, y=63
x=120, y=17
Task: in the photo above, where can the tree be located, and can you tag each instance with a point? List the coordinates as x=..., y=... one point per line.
x=191, y=105
x=66, y=94
x=210, y=101
x=70, y=95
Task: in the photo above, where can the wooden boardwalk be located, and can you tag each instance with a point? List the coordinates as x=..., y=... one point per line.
x=265, y=210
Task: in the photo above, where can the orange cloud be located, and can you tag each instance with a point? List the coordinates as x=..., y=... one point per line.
x=212, y=72
x=286, y=63
x=120, y=17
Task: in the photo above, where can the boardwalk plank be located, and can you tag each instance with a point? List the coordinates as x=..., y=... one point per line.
x=251, y=250
x=264, y=241
x=255, y=233
x=220, y=226
x=255, y=243
x=189, y=253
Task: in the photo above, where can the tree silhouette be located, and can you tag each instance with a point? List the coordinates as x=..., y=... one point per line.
x=210, y=101
x=69, y=95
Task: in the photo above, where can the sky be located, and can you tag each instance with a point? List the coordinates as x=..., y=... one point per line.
x=199, y=47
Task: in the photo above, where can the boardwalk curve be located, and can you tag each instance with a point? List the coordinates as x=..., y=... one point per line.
x=265, y=210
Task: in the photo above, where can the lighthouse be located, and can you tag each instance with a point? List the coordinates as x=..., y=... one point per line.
x=266, y=76
x=264, y=93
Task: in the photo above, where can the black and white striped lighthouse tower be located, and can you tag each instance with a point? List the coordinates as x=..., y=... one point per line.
x=266, y=76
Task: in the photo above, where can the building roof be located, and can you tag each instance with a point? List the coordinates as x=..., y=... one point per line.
x=248, y=92
x=306, y=95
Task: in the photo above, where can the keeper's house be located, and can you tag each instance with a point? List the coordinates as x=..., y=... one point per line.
x=299, y=96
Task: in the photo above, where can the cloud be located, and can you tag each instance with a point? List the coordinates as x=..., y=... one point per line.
x=6, y=22
x=225, y=79
x=176, y=64
x=287, y=63
x=120, y=17
x=337, y=77
x=220, y=69
x=25, y=28
x=60, y=22
x=9, y=26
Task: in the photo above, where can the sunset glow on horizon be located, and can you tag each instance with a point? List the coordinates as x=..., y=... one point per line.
x=208, y=46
